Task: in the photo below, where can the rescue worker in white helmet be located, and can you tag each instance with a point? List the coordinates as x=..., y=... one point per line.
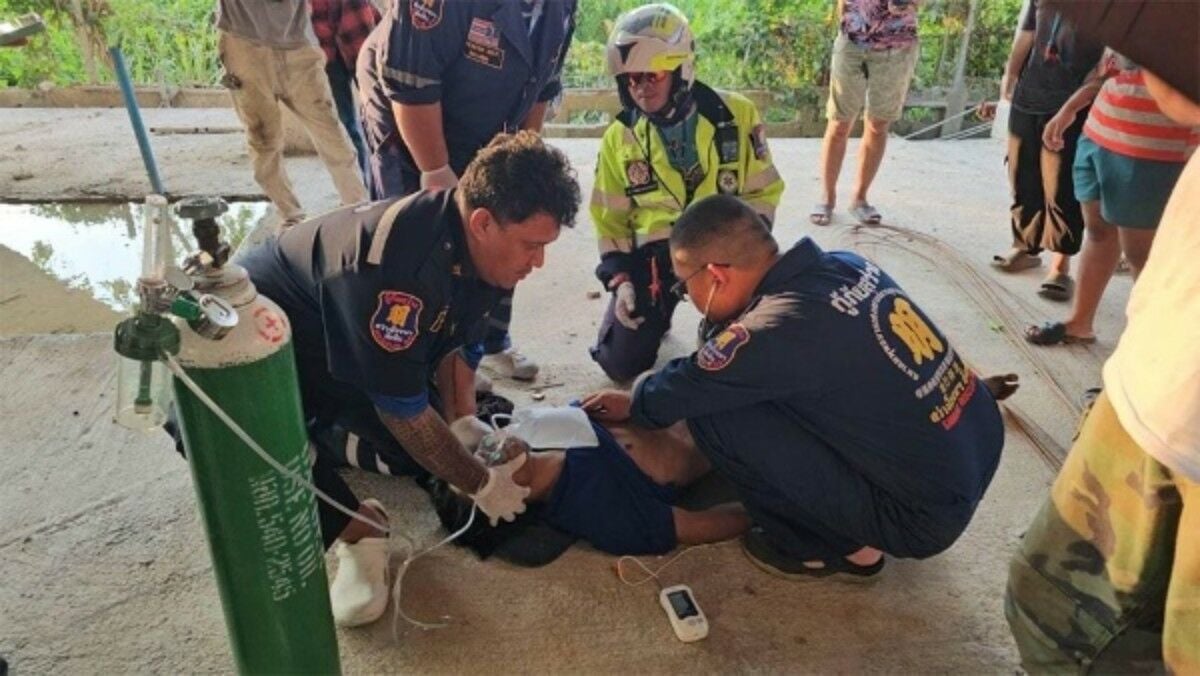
x=675, y=141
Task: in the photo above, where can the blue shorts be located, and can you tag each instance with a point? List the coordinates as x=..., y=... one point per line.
x=603, y=497
x=1132, y=192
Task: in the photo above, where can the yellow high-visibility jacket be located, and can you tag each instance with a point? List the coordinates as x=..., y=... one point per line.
x=638, y=194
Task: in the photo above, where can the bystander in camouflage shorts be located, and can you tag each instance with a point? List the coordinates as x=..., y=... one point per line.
x=1108, y=576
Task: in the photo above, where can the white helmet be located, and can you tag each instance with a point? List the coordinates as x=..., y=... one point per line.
x=653, y=38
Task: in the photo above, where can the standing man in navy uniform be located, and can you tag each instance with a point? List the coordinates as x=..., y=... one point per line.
x=380, y=298
x=846, y=420
x=439, y=79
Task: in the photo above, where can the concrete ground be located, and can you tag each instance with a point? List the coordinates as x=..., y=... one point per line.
x=104, y=563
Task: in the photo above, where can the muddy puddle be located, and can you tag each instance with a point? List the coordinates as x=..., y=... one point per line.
x=97, y=248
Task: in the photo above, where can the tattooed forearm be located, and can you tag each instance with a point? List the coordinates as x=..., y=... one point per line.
x=434, y=447
x=456, y=383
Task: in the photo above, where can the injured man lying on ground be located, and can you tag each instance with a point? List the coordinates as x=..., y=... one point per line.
x=618, y=494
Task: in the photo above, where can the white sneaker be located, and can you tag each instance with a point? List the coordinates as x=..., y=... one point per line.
x=482, y=383
x=511, y=364
x=359, y=593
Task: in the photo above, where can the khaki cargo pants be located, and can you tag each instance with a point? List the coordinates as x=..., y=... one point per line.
x=260, y=78
x=1108, y=577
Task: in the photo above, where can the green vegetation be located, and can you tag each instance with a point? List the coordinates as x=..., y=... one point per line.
x=780, y=45
x=166, y=42
x=784, y=45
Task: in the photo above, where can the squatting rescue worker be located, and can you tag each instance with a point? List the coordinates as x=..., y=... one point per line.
x=380, y=298
x=846, y=420
x=676, y=140
x=438, y=79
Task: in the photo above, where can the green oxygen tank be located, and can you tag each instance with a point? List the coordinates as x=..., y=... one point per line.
x=262, y=527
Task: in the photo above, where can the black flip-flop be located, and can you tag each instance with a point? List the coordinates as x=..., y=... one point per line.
x=1002, y=386
x=1055, y=333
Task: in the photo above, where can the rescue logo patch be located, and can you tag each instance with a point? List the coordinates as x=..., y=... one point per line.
x=395, y=323
x=903, y=334
x=719, y=351
x=758, y=141
x=639, y=178
x=484, y=32
x=425, y=14
x=483, y=44
x=727, y=181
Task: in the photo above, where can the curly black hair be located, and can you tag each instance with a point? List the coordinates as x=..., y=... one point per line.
x=519, y=175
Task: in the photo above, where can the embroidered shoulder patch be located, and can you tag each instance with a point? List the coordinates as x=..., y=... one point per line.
x=758, y=140
x=395, y=324
x=425, y=14
x=720, y=350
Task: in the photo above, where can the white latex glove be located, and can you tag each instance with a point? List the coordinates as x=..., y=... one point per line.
x=442, y=178
x=501, y=497
x=626, y=305
x=469, y=431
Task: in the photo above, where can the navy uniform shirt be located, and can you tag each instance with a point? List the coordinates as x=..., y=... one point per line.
x=373, y=305
x=835, y=346
x=478, y=58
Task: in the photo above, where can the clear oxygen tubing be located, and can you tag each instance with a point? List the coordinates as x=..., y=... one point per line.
x=178, y=371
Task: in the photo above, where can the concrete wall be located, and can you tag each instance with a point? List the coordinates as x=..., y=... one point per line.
x=808, y=121
x=296, y=141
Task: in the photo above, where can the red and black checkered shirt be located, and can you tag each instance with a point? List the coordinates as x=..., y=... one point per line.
x=342, y=26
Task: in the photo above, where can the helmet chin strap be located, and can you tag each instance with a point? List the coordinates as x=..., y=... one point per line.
x=679, y=104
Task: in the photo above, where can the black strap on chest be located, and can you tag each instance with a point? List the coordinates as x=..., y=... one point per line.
x=710, y=105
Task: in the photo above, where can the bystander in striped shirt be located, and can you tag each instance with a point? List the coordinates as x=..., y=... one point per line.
x=1126, y=120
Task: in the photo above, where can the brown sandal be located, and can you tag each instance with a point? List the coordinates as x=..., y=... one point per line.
x=1057, y=286
x=1015, y=260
